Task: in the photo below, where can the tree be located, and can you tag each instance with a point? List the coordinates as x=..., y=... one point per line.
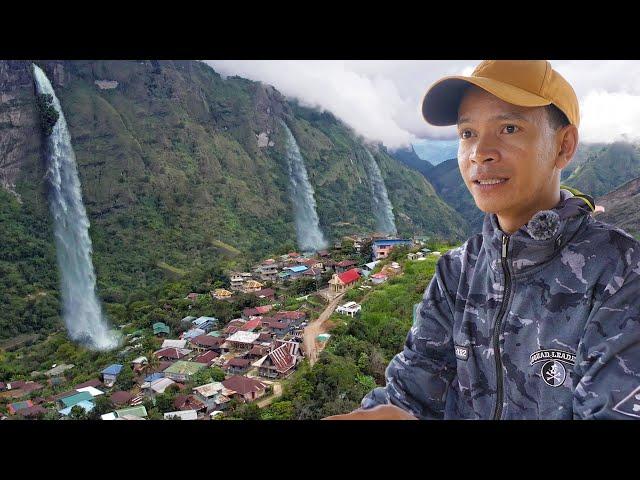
x=102, y=405
x=78, y=413
x=125, y=379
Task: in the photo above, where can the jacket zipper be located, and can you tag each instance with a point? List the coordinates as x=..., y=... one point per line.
x=496, y=331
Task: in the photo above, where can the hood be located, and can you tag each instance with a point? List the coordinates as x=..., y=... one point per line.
x=539, y=240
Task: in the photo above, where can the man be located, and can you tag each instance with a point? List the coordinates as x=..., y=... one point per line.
x=537, y=316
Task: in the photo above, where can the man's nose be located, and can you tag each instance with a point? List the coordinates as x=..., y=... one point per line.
x=484, y=150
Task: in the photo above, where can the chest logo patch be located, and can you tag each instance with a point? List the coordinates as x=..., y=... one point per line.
x=553, y=373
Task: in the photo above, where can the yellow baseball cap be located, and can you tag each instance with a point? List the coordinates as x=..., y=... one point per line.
x=527, y=83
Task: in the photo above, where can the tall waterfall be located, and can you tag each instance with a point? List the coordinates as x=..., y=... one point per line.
x=82, y=312
x=310, y=237
x=382, y=208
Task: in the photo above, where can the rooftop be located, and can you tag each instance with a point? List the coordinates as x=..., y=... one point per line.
x=183, y=367
x=243, y=337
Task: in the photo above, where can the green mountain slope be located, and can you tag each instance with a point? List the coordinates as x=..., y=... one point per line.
x=182, y=169
x=606, y=168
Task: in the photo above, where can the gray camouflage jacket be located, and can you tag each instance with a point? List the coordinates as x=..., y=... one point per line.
x=540, y=324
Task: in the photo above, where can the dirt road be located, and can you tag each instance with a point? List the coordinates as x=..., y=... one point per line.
x=277, y=391
x=315, y=328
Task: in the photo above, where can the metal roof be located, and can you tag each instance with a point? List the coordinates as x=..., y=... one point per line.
x=184, y=367
x=78, y=397
x=113, y=369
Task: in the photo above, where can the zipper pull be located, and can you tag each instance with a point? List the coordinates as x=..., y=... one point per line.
x=505, y=241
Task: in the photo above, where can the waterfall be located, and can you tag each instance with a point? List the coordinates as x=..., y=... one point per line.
x=82, y=311
x=382, y=208
x=310, y=237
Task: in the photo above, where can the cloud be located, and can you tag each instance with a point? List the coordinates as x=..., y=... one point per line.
x=381, y=99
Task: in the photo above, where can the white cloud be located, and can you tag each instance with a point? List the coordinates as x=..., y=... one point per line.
x=381, y=99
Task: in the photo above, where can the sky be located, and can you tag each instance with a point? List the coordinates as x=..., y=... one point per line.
x=381, y=99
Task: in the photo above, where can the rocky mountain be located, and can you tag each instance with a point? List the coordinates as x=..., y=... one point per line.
x=622, y=207
x=181, y=169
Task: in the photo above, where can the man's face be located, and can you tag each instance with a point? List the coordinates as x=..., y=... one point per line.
x=513, y=144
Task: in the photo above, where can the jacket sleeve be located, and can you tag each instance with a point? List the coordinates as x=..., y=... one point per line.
x=608, y=357
x=418, y=377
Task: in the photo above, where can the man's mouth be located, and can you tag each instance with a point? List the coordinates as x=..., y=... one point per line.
x=490, y=183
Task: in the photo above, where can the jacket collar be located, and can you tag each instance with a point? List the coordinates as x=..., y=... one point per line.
x=527, y=247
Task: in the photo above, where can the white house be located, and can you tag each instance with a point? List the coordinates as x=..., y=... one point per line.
x=349, y=308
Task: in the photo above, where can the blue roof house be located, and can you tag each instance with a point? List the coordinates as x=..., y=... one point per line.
x=110, y=374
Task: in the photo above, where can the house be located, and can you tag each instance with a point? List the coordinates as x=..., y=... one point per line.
x=187, y=319
x=264, y=337
x=139, y=412
x=343, y=281
x=192, y=296
x=314, y=273
x=174, y=344
x=71, y=400
x=344, y=265
x=258, y=351
x=188, y=402
x=381, y=248
x=252, y=286
x=237, y=282
x=212, y=395
x=94, y=392
x=241, y=340
x=349, y=308
x=110, y=374
x=202, y=343
x=276, y=327
x=221, y=294
x=23, y=387
x=181, y=371
x=194, y=332
x=297, y=271
x=17, y=407
x=276, y=364
x=266, y=293
x=294, y=317
x=292, y=346
x=254, y=312
x=139, y=364
x=245, y=388
x=252, y=324
x=367, y=268
x=205, y=323
x=32, y=412
x=91, y=383
x=160, y=328
x=237, y=366
x=182, y=415
x=415, y=256
x=172, y=353
x=378, y=278
x=120, y=398
x=157, y=386
x=323, y=253
x=268, y=271
x=207, y=357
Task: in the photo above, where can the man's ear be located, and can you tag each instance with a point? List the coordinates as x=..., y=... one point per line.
x=568, y=143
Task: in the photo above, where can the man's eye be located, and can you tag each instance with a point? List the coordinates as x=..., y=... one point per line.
x=465, y=134
x=510, y=129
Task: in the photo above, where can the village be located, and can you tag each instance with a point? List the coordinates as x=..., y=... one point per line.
x=206, y=366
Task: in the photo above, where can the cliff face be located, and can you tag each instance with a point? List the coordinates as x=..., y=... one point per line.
x=19, y=124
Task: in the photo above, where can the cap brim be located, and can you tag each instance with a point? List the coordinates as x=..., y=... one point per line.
x=441, y=102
